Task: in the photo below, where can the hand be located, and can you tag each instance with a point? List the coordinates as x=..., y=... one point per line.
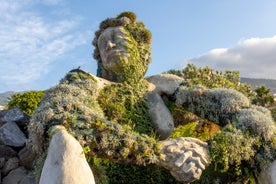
x=186, y=158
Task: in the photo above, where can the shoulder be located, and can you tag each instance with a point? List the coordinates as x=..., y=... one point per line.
x=165, y=83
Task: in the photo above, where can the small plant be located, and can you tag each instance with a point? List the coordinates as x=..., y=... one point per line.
x=27, y=102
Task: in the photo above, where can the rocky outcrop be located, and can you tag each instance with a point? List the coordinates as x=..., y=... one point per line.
x=13, y=122
x=65, y=162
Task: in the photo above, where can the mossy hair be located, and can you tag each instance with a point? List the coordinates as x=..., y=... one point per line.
x=136, y=29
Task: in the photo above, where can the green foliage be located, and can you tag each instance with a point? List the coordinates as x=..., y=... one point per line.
x=27, y=102
x=257, y=122
x=192, y=129
x=237, y=156
x=232, y=154
x=273, y=113
x=217, y=105
x=129, y=15
x=151, y=174
x=77, y=75
x=187, y=130
x=139, y=33
x=263, y=97
x=125, y=104
x=82, y=116
x=213, y=79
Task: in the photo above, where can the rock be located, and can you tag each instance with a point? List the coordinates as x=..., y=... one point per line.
x=11, y=164
x=26, y=157
x=268, y=176
x=165, y=83
x=14, y=115
x=28, y=179
x=2, y=162
x=160, y=115
x=11, y=135
x=7, y=152
x=15, y=176
x=65, y=162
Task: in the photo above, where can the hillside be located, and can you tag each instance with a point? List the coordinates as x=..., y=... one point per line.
x=4, y=97
x=269, y=83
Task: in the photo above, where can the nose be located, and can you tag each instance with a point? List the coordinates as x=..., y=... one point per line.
x=110, y=45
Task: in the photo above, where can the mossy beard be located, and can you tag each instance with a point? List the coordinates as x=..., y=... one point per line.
x=129, y=66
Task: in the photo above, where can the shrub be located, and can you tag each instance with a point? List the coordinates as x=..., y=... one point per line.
x=27, y=102
x=213, y=79
x=217, y=105
x=257, y=122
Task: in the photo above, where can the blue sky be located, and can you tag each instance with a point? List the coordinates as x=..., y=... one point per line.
x=41, y=40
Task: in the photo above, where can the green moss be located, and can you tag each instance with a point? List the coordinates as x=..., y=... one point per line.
x=129, y=15
x=124, y=103
x=151, y=174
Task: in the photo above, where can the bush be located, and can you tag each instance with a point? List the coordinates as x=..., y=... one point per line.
x=213, y=79
x=27, y=102
x=218, y=105
x=256, y=122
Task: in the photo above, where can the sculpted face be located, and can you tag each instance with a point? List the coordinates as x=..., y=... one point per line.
x=112, y=46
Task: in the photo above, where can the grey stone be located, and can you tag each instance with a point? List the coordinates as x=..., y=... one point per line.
x=2, y=162
x=268, y=176
x=14, y=115
x=7, y=152
x=65, y=162
x=28, y=179
x=165, y=83
x=160, y=115
x=11, y=164
x=15, y=176
x=11, y=135
x=26, y=157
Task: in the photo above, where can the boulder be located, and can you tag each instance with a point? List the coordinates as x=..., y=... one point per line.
x=28, y=179
x=11, y=135
x=15, y=115
x=268, y=176
x=165, y=83
x=11, y=164
x=65, y=162
x=15, y=176
x=26, y=157
x=7, y=152
x=160, y=115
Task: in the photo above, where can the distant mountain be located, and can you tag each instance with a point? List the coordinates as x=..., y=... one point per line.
x=5, y=97
x=269, y=83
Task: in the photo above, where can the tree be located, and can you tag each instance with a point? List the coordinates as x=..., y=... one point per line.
x=263, y=96
x=27, y=102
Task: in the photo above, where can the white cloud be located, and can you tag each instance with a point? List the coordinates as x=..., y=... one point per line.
x=30, y=41
x=254, y=57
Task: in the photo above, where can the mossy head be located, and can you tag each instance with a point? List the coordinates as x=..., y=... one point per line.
x=126, y=45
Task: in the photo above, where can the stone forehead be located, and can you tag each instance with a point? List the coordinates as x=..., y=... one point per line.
x=115, y=30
